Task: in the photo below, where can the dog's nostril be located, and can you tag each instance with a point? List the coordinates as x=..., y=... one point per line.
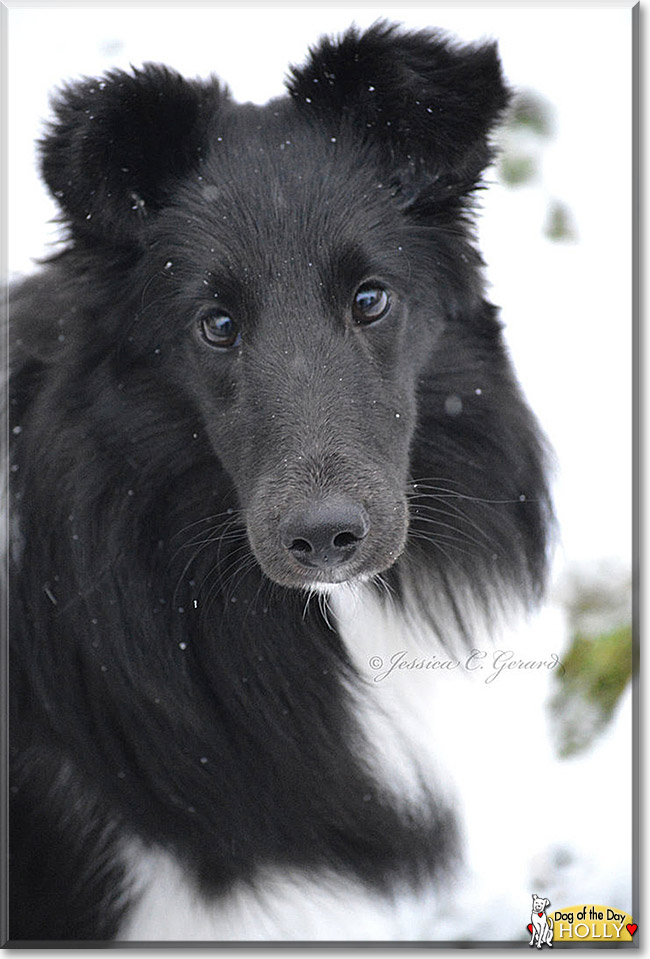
x=345, y=539
x=326, y=533
x=301, y=546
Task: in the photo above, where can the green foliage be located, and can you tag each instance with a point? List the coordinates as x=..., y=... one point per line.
x=532, y=112
x=524, y=139
x=559, y=225
x=598, y=664
x=515, y=169
x=527, y=125
x=597, y=672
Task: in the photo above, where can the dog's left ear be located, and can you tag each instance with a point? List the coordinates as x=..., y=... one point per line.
x=427, y=100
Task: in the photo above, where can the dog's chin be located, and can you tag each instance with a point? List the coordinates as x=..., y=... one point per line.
x=323, y=580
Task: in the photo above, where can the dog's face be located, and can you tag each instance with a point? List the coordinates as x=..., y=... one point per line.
x=539, y=905
x=291, y=276
x=304, y=335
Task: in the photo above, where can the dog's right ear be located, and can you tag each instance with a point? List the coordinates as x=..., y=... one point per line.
x=118, y=143
x=426, y=100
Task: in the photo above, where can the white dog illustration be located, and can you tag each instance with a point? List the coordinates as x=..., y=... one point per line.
x=542, y=925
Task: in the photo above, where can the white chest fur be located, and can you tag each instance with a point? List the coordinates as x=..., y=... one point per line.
x=278, y=907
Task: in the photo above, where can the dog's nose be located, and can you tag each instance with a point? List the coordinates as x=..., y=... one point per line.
x=324, y=534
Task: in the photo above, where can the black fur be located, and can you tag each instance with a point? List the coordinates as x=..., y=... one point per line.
x=169, y=681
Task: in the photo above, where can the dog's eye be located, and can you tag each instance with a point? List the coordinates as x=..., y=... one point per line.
x=218, y=329
x=371, y=302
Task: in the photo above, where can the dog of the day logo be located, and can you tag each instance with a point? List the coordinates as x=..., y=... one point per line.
x=583, y=923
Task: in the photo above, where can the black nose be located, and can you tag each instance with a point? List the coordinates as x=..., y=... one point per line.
x=324, y=534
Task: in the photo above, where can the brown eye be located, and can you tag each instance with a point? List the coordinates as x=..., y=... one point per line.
x=371, y=302
x=218, y=329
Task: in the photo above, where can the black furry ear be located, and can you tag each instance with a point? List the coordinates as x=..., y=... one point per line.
x=118, y=144
x=426, y=99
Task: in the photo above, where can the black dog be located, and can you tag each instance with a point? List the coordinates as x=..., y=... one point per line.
x=264, y=365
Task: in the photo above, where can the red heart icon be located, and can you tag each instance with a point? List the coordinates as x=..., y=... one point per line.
x=530, y=928
x=540, y=913
x=631, y=928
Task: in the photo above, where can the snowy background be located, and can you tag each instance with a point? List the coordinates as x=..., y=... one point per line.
x=566, y=304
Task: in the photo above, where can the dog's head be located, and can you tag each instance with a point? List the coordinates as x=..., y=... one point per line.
x=303, y=274
x=539, y=904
